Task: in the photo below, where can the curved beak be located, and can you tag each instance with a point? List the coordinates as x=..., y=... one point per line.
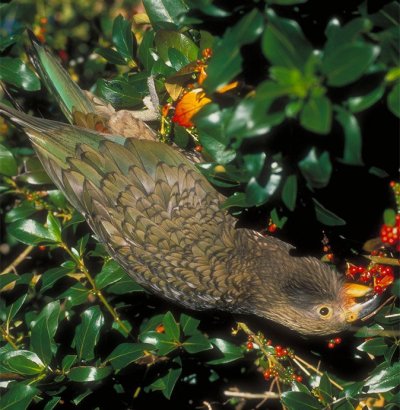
x=355, y=310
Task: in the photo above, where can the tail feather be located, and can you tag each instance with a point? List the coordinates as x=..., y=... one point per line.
x=57, y=80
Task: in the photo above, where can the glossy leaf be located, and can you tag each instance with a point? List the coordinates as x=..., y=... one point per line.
x=145, y=54
x=34, y=173
x=172, y=329
x=120, y=93
x=163, y=343
x=88, y=332
x=296, y=400
x=352, y=154
x=316, y=170
x=348, y=63
x=124, y=285
x=22, y=362
x=123, y=38
x=316, y=115
x=8, y=164
x=384, y=380
x=22, y=211
x=109, y=274
x=289, y=192
x=43, y=331
x=257, y=194
x=110, y=55
x=230, y=351
x=18, y=396
x=363, y=102
x=30, y=232
x=13, y=71
x=226, y=61
x=197, y=343
x=189, y=324
x=327, y=217
x=166, y=40
x=126, y=353
x=375, y=346
x=283, y=42
x=13, y=308
x=167, y=383
x=84, y=374
x=165, y=14
x=51, y=276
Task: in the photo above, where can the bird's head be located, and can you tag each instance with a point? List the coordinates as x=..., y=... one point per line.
x=311, y=298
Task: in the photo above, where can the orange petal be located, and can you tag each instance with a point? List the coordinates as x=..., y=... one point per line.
x=188, y=106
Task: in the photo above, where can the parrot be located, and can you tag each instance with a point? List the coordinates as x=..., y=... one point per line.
x=161, y=220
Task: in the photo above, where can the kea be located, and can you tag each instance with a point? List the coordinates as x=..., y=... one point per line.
x=161, y=220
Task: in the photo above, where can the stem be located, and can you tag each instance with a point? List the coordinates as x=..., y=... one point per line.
x=384, y=261
x=8, y=338
x=20, y=258
x=244, y=395
x=81, y=265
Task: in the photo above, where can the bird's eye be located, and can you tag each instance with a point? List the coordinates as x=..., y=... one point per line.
x=325, y=312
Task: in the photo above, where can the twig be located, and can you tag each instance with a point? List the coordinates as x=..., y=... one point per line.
x=19, y=259
x=387, y=301
x=244, y=395
x=314, y=369
x=7, y=337
x=97, y=292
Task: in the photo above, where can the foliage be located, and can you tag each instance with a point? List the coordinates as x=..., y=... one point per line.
x=75, y=328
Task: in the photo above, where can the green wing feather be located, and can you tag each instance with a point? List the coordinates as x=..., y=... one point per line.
x=57, y=80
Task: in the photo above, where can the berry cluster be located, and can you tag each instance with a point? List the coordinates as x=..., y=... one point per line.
x=333, y=342
x=275, y=360
x=40, y=29
x=390, y=235
x=375, y=275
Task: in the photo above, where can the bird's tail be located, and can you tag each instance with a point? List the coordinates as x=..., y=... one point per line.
x=57, y=80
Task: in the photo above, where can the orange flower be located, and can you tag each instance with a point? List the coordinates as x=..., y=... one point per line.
x=189, y=105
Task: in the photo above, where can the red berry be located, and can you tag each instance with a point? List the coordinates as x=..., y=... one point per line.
x=272, y=228
x=378, y=289
x=331, y=345
x=198, y=148
x=299, y=379
x=278, y=348
x=42, y=248
x=207, y=53
x=338, y=340
x=330, y=257
x=160, y=328
x=284, y=352
x=267, y=374
x=250, y=346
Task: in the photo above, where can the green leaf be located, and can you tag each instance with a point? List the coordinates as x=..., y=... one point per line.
x=346, y=64
x=393, y=100
x=375, y=346
x=51, y=276
x=84, y=374
x=126, y=353
x=325, y=388
x=23, y=211
x=30, y=232
x=145, y=53
x=384, y=380
x=124, y=285
x=13, y=71
x=369, y=331
x=7, y=278
x=316, y=115
x=68, y=361
x=172, y=329
x=110, y=273
x=188, y=324
x=13, y=309
x=120, y=93
x=18, y=396
x=54, y=227
x=289, y=192
x=43, y=331
x=34, y=173
x=226, y=62
x=362, y=102
x=352, y=137
x=167, y=383
x=197, y=343
x=327, y=217
x=396, y=288
x=52, y=403
x=22, y=362
x=316, y=170
x=88, y=332
x=230, y=351
x=257, y=194
x=110, y=55
x=163, y=343
x=166, y=40
x=8, y=164
x=165, y=14
x=284, y=44
x=123, y=38
x=297, y=400
x=237, y=199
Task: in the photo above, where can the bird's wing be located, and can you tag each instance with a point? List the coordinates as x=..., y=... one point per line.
x=160, y=218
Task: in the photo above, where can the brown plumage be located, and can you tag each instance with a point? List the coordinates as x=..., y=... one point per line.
x=161, y=220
